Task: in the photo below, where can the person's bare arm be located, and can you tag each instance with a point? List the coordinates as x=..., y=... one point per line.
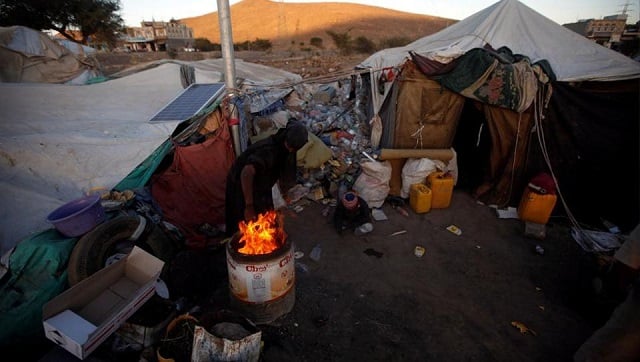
x=246, y=179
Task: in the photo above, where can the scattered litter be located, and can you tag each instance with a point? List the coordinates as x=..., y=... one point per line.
x=363, y=229
x=315, y=253
x=402, y=211
x=523, y=329
x=297, y=192
x=454, y=229
x=378, y=214
x=597, y=241
x=508, y=213
x=538, y=289
x=535, y=230
x=539, y=250
x=478, y=247
x=298, y=254
x=541, y=307
x=302, y=267
x=316, y=194
x=162, y=290
x=399, y=233
x=419, y=251
x=369, y=157
x=298, y=209
x=372, y=252
x=326, y=211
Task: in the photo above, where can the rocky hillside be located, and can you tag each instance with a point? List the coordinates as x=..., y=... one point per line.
x=292, y=25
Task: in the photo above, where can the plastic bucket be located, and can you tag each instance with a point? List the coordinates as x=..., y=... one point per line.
x=77, y=217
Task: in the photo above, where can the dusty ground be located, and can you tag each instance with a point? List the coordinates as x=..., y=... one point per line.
x=306, y=64
x=455, y=303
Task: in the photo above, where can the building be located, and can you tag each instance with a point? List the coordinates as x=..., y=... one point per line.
x=611, y=31
x=159, y=36
x=606, y=31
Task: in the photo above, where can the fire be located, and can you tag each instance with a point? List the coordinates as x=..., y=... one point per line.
x=263, y=235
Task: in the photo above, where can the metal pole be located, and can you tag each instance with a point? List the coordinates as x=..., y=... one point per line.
x=226, y=42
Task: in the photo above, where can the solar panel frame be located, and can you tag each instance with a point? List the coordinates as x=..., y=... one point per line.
x=189, y=102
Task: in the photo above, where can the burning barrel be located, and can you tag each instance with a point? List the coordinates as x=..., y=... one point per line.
x=261, y=269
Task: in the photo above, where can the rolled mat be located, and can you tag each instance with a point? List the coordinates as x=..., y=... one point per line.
x=442, y=154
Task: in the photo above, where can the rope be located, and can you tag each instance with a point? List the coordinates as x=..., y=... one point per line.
x=538, y=117
x=418, y=135
x=513, y=164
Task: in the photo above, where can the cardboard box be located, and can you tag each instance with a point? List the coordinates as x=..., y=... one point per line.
x=85, y=315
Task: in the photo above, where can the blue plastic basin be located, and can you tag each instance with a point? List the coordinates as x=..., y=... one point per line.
x=78, y=217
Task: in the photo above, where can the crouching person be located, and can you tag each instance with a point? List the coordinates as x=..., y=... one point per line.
x=352, y=212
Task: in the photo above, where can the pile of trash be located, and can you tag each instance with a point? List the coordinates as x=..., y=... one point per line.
x=340, y=133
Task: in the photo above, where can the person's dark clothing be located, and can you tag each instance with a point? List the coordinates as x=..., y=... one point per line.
x=273, y=162
x=344, y=218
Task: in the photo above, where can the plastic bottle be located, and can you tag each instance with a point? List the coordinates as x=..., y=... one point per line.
x=315, y=253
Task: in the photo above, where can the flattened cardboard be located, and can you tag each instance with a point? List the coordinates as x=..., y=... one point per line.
x=104, y=300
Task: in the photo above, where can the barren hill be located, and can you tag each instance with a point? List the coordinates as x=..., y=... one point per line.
x=286, y=24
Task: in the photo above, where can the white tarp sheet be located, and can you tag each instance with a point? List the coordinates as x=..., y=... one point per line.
x=523, y=30
x=58, y=141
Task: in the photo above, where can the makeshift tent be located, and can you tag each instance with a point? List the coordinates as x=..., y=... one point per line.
x=28, y=55
x=483, y=85
x=59, y=141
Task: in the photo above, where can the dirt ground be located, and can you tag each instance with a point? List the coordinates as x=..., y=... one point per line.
x=371, y=298
x=306, y=64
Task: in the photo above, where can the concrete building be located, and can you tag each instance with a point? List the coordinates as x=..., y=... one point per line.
x=611, y=31
x=159, y=36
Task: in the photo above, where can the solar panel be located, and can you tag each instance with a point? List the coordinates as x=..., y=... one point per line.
x=188, y=103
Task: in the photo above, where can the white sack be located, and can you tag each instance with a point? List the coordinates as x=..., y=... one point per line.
x=415, y=171
x=373, y=183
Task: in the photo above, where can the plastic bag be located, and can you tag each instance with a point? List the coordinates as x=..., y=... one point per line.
x=415, y=171
x=373, y=183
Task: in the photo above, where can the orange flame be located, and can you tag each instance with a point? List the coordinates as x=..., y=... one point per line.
x=263, y=235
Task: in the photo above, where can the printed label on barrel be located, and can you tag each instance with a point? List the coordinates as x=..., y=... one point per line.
x=261, y=282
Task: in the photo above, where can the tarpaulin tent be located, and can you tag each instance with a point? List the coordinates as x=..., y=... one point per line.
x=29, y=55
x=60, y=141
x=487, y=79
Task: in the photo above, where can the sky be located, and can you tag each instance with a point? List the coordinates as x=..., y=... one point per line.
x=560, y=11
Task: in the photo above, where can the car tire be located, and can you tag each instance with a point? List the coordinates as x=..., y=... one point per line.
x=117, y=236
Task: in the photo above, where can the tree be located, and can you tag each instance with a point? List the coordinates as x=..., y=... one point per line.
x=98, y=18
x=261, y=44
x=206, y=45
x=316, y=42
x=394, y=42
x=364, y=45
x=342, y=41
x=92, y=18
